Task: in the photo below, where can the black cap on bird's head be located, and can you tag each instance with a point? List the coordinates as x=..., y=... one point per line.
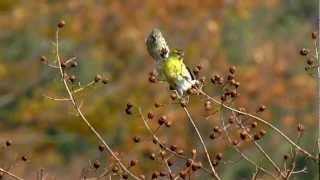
x=157, y=46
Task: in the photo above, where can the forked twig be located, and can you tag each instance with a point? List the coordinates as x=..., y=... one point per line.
x=84, y=119
x=262, y=121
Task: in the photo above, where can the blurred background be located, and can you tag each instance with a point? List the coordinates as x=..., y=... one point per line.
x=261, y=38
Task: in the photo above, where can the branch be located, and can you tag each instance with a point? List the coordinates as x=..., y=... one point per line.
x=10, y=174
x=83, y=118
x=202, y=142
x=262, y=121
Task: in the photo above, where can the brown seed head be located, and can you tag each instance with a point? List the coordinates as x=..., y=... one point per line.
x=72, y=78
x=310, y=62
x=262, y=132
x=105, y=80
x=61, y=24
x=24, y=158
x=125, y=176
x=152, y=79
x=173, y=147
x=97, y=78
x=232, y=69
x=257, y=137
x=170, y=162
x=96, y=164
x=74, y=64
x=235, y=142
x=101, y=148
x=8, y=143
x=207, y=105
x=152, y=156
x=136, y=139
x=115, y=169
x=219, y=156
x=262, y=108
x=173, y=96
x=162, y=120
x=254, y=124
x=304, y=52
x=155, y=175
x=314, y=35
x=300, y=127
x=133, y=163
x=243, y=135
x=43, y=59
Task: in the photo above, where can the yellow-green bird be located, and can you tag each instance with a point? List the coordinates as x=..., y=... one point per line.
x=169, y=64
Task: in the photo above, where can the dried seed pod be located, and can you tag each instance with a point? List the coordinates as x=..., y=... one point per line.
x=133, y=163
x=219, y=156
x=169, y=162
x=8, y=143
x=243, y=135
x=136, y=139
x=173, y=147
x=150, y=115
x=262, y=132
x=168, y=124
x=232, y=69
x=212, y=135
x=97, y=78
x=115, y=169
x=43, y=59
x=314, y=35
x=262, y=108
x=96, y=164
x=105, y=80
x=101, y=148
x=24, y=158
x=207, y=105
x=173, y=96
x=61, y=24
x=152, y=79
x=189, y=162
x=254, y=124
x=304, y=52
x=235, y=142
x=152, y=156
x=72, y=78
x=74, y=64
x=300, y=127
x=257, y=137
x=162, y=174
x=310, y=62
x=162, y=120
x=155, y=175
x=125, y=176
x=195, y=166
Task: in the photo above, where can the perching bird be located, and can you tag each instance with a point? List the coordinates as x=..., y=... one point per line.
x=170, y=65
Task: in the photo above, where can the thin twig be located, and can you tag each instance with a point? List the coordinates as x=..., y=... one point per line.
x=262, y=121
x=84, y=119
x=202, y=142
x=164, y=146
x=10, y=174
x=262, y=151
x=241, y=153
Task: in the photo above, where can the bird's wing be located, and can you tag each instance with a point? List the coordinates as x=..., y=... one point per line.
x=193, y=77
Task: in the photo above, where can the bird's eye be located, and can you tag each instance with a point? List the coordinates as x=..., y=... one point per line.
x=153, y=38
x=163, y=52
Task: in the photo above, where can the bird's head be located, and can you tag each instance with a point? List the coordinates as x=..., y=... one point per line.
x=157, y=46
x=177, y=53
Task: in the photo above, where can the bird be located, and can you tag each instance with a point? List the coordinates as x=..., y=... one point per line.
x=170, y=64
